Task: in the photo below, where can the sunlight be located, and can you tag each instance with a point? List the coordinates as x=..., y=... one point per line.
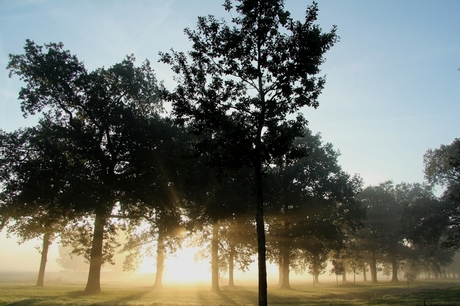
x=180, y=268
x=148, y=265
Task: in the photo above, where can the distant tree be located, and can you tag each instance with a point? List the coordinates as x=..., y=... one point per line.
x=237, y=246
x=104, y=118
x=380, y=239
x=353, y=261
x=442, y=167
x=454, y=267
x=69, y=261
x=160, y=193
x=338, y=268
x=267, y=53
x=216, y=203
x=411, y=271
x=312, y=198
x=316, y=255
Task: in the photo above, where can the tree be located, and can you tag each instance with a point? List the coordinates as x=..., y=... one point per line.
x=103, y=117
x=32, y=178
x=69, y=261
x=380, y=236
x=214, y=203
x=237, y=245
x=160, y=193
x=267, y=53
x=442, y=166
x=311, y=199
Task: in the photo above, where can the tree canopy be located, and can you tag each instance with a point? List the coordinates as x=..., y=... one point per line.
x=240, y=86
x=442, y=167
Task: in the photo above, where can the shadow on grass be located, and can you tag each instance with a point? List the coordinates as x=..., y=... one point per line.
x=77, y=294
x=129, y=298
x=421, y=295
x=117, y=301
x=250, y=296
x=225, y=298
x=24, y=302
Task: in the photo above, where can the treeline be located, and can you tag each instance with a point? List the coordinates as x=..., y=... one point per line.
x=234, y=158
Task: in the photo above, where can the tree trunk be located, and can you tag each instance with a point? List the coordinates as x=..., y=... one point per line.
x=261, y=249
x=344, y=277
x=44, y=258
x=280, y=269
x=317, y=277
x=231, y=283
x=215, y=257
x=94, y=276
x=286, y=248
x=364, y=272
x=394, y=270
x=373, y=267
x=160, y=261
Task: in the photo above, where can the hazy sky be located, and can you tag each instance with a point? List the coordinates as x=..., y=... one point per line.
x=393, y=84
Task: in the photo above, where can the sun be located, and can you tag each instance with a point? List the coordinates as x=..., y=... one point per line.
x=180, y=268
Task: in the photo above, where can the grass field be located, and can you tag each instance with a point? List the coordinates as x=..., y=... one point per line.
x=419, y=293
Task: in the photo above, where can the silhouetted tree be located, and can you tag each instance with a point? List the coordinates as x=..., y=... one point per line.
x=442, y=167
x=32, y=178
x=380, y=235
x=216, y=202
x=312, y=198
x=237, y=245
x=239, y=84
x=103, y=117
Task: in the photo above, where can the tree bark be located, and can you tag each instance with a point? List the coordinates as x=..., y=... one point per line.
x=160, y=261
x=94, y=276
x=286, y=250
x=231, y=258
x=317, y=277
x=373, y=267
x=364, y=272
x=260, y=226
x=394, y=270
x=280, y=269
x=44, y=259
x=215, y=257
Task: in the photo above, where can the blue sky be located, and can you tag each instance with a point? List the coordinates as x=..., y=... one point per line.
x=393, y=85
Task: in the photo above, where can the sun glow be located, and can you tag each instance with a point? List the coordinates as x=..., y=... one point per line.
x=180, y=267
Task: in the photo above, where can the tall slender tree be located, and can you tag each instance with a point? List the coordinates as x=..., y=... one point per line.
x=241, y=87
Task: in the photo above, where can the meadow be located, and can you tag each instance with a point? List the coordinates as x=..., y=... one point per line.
x=120, y=294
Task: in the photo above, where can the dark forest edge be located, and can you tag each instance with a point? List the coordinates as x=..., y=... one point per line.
x=243, y=171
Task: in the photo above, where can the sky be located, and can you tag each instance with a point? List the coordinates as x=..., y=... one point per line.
x=393, y=79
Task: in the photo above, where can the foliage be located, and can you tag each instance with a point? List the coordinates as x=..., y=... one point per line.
x=105, y=122
x=309, y=200
x=239, y=86
x=32, y=179
x=442, y=166
x=78, y=235
x=70, y=262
